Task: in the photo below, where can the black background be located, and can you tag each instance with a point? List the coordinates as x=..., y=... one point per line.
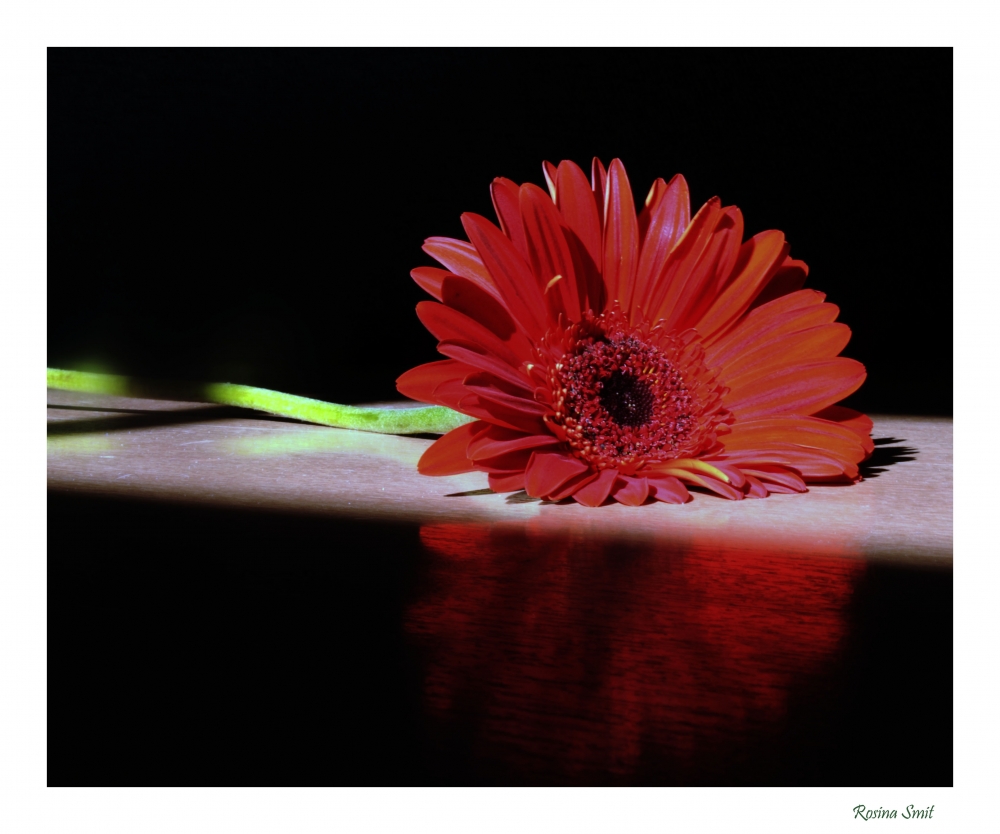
x=252, y=215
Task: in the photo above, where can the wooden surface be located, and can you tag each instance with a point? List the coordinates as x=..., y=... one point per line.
x=212, y=455
x=236, y=600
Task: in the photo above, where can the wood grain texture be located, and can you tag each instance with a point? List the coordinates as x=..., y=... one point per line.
x=213, y=455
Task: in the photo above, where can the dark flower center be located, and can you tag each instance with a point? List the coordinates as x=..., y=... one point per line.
x=629, y=396
x=624, y=399
x=628, y=401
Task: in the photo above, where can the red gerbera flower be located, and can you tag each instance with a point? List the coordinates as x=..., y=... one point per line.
x=608, y=354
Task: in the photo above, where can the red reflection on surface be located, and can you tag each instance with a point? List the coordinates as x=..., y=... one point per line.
x=577, y=657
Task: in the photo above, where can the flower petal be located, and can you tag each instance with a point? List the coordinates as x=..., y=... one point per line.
x=429, y=279
x=446, y=456
x=505, y=464
x=599, y=186
x=461, y=258
x=499, y=441
x=488, y=387
x=474, y=355
x=716, y=486
x=795, y=389
x=621, y=237
x=490, y=411
x=511, y=482
x=653, y=197
x=630, y=490
x=811, y=345
x=448, y=324
x=759, y=259
x=805, y=431
x=734, y=474
x=666, y=286
x=550, y=173
x=811, y=463
x=668, y=489
x=857, y=422
x=549, y=253
x=419, y=383
x=797, y=311
x=547, y=471
x=789, y=278
x=510, y=273
x=823, y=447
x=661, y=224
x=780, y=475
x=595, y=492
x=452, y=393
x=486, y=309
x=575, y=201
x=711, y=272
x=780, y=489
x=506, y=197
x=682, y=466
x=572, y=485
x=722, y=478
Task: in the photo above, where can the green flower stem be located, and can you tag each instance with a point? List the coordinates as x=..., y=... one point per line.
x=393, y=420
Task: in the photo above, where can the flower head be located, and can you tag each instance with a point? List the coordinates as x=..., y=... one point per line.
x=609, y=354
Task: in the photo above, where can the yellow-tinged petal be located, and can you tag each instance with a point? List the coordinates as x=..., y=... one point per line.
x=686, y=465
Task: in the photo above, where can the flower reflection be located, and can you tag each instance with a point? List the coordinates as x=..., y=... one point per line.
x=575, y=659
